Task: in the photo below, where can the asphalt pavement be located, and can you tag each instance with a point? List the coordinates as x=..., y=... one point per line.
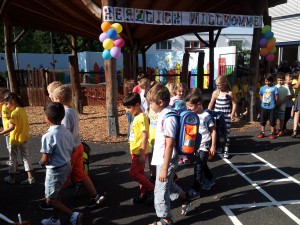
x=258, y=184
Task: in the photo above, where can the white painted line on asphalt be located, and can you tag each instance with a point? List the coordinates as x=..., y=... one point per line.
x=273, y=201
x=272, y=181
x=231, y=215
x=278, y=170
x=250, y=165
x=262, y=204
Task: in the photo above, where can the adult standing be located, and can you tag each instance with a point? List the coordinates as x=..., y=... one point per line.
x=296, y=109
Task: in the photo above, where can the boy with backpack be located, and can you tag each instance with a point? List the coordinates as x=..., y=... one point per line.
x=139, y=147
x=207, y=146
x=165, y=157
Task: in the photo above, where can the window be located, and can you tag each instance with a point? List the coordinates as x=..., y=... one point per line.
x=192, y=44
x=237, y=43
x=164, y=45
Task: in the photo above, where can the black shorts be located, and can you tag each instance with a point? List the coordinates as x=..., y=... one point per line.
x=267, y=114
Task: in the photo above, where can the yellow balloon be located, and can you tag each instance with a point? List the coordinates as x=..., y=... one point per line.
x=108, y=43
x=118, y=27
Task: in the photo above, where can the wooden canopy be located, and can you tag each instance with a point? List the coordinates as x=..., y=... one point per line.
x=83, y=17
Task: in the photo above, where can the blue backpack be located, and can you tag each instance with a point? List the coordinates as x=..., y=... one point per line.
x=179, y=105
x=220, y=124
x=187, y=137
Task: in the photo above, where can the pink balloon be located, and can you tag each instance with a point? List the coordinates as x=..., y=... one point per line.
x=119, y=42
x=102, y=36
x=270, y=57
x=115, y=52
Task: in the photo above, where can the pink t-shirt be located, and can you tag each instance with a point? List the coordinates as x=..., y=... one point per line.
x=137, y=89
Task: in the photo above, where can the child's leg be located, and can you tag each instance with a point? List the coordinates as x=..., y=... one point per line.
x=137, y=173
x=296, y=120
x=272, y=120
x=13, y=155
x=26, y=159
x=287, y=116
x=152, y=169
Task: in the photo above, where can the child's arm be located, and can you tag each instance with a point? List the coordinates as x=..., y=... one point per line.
x=167, y=158
x=233, y=106
x=45, y=159
x=144, y=146
x=212, y=101
x=10, y=128
x=213, y=134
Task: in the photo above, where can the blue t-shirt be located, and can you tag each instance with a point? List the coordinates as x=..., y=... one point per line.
x=268, y=96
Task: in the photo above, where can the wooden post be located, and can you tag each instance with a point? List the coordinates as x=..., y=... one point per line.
x=144, y=60
x=111, y=96
x=8, y=45
x=211, y=59
x=134, y=63
x=185, y=68
x=76, y=88
x=42, y=74
x=111, y=83
x=126, y=70
x=200, y=73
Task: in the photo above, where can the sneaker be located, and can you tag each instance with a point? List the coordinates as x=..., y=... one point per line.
x=28, y=181
x=272, y=136
x=50, y=221
x=261, y=135
x=226, y=155
x=139, y=199
x=76, y=218
x=207, y=184
x=45, y=206
x=192, y=194
x=185, y=208
x=150, y=198
x=258, y=117
x=98, y=200
x=280, y=133
x=9, y=180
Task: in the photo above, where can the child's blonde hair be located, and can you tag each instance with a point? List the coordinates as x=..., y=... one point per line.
x=63, y=93
x=223, y=80
x=53, y=85
x=144, y=82
x=171, y=87
x=159, y=92
x=183, y=86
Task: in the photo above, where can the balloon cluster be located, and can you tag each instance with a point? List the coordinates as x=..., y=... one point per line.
x=111, y=40
x=267, y=44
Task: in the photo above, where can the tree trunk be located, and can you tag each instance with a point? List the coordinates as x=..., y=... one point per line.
x=13, y=83
x=75, y=82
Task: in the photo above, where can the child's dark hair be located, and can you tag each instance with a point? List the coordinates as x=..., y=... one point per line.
x=269, y=77
x=131, y=99
x=13, y=96
x=194, y=96
x=280, y=76
x=55, y=112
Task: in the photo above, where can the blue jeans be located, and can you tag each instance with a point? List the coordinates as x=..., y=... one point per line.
x=201, y=167
x=129, y=120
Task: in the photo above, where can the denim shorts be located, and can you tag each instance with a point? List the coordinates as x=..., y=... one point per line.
x=55, y=179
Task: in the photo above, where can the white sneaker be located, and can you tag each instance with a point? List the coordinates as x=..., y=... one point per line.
x=76, y=218
x=50, y=221
x=226, y=155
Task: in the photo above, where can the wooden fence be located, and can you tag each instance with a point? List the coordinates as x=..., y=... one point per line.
x=33, y=88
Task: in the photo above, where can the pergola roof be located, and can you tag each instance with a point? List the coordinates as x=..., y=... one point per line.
x=83, y=17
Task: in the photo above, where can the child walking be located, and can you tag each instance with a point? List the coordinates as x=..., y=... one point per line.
x=18, y=130
x=139, y=147
x=207, y=146
x=289, y=103
x=63, y=94
x=222, y=101
x=57, y=146
x=165, y=157
x=268, y=96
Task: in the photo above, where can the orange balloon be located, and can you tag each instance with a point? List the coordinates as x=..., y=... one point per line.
x=105, y=26
x=270, y=45
x=264, y=52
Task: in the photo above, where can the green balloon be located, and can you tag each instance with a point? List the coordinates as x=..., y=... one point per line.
x=265, y=29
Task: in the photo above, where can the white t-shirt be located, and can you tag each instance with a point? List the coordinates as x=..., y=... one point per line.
x=283, y=91
x=206, y=135
x=165, y=127
x=144, y=102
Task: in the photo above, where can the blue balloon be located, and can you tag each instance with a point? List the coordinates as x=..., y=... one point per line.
x=269, y=35
x=112, y=33
x=106, y=54
x=263, y=42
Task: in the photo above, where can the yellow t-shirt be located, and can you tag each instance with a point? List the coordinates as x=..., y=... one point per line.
x=6, y=114
x=245, y=90
x=152, y=127
x=296, y=90
x=21, y=132
x=139, y=124
x=235, y=91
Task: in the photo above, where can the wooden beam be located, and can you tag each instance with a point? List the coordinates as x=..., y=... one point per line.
x=211, y=59
x=3, y=9
x=17, y=39
x=96, y=10
x=128, y=32
x=217, y=36
x=200, y=39
x=149, y=46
